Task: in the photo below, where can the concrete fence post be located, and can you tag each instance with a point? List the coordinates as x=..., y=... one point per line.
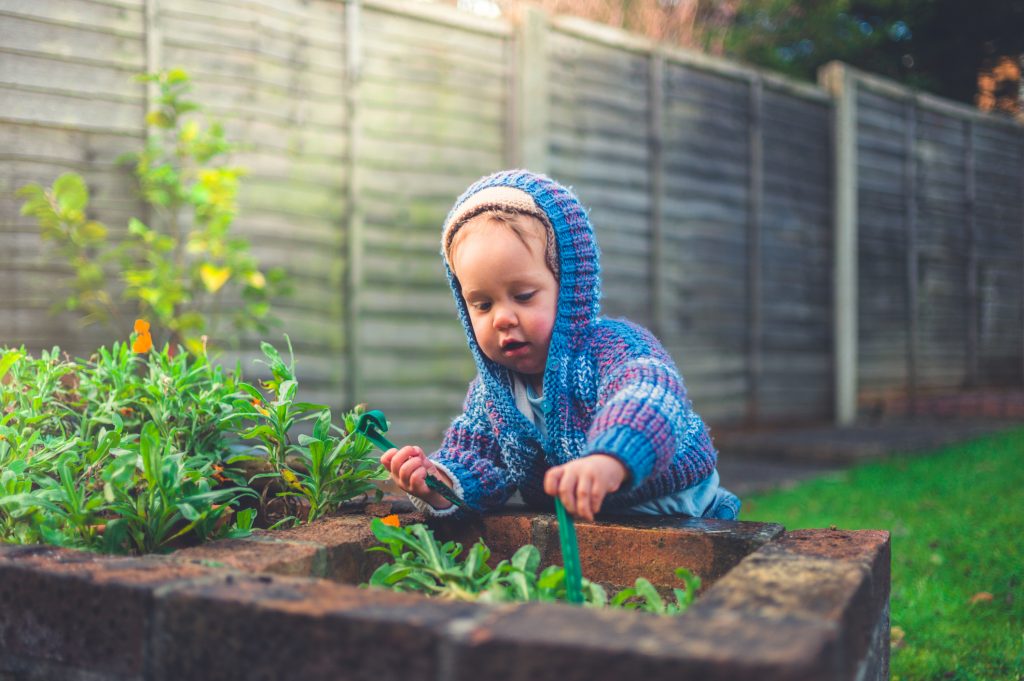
x=841, y=82
x=353, y=220
x=531, y=92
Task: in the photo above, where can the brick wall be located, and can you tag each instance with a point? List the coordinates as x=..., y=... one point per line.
x=811, y=604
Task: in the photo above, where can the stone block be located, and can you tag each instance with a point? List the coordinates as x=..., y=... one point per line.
x=837, y=578
x=503, y=532
x=344, y=540
x=616, y=551
x=541, y=642
x=263, y=627
x=260, y=554
x=77, y=610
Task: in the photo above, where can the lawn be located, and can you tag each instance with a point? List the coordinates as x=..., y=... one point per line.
x=955, y=515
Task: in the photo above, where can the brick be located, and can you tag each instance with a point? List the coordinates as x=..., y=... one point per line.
x=503, y=532
x=81, y=610
x=616, y=551
x=254, y=628
x=260, y=554
x=542, y=641
x=839, y=579
x=345, y=540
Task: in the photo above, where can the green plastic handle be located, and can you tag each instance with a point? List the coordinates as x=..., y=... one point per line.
x=570, y=554
x=373, y=424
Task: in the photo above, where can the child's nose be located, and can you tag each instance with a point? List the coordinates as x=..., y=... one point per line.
x=504, y=317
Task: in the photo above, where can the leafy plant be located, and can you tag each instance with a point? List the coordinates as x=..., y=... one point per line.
x=324, y=469
x=135, y=451
x=118, y=453
x=181, y=269
x=421, y=563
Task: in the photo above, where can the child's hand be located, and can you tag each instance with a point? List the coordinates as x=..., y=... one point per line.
x=409, y=468
x=583, y=484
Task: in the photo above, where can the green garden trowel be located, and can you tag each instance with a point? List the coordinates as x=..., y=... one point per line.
x=570, y=554
x=372, y=425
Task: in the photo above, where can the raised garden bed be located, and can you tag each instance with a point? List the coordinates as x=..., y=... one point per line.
x=811, y=604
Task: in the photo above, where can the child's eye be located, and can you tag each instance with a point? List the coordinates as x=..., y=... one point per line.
x=523, y=297
x=482, y=307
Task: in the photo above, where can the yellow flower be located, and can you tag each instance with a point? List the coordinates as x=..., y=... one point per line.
x=291, y=478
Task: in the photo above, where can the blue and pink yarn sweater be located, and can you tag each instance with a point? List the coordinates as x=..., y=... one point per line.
x=609, y=387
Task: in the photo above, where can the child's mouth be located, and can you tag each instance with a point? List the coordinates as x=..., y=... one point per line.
x=512, y=346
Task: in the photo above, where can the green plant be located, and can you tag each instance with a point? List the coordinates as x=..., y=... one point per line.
x=421, y=563
x=135, y=451
x=120, y=453
x=182, y=267
x=323, y=469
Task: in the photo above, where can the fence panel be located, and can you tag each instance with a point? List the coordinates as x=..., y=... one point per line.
x=69, y=104
x=882, y=242
x=942, y=239
x=274, y=74
x=706, y=166
x=796, y=260
x=431, y=120
x=599, y=145
x=998, y=210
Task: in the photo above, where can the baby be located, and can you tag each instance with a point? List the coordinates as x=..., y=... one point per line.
x=565, y=402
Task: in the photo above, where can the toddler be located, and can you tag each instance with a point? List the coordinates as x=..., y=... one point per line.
x=565, y=402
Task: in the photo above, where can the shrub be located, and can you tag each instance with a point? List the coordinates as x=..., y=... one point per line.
x=136, y=451
x=178, y=269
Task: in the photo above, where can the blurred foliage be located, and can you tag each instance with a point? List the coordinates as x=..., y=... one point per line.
x=184, y=270
x=934, y=45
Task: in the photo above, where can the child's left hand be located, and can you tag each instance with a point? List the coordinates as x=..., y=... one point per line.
x=583, y=484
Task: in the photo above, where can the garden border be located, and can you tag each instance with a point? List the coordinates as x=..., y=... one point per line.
x=808, y=604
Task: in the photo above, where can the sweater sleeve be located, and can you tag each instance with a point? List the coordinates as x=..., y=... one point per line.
x=643, y=416
x=470, y=455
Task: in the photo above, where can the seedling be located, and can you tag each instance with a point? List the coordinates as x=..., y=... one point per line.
x=421, y=563
x=373, y=425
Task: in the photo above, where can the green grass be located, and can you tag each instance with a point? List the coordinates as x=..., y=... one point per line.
x=957, y=521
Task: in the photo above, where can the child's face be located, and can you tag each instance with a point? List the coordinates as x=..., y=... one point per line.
x=511, y=295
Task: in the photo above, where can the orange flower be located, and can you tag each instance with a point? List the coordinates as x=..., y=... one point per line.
x=143, y=341
x=218, y=473
x=391, y=520
x=259, y=407
x=126, y=411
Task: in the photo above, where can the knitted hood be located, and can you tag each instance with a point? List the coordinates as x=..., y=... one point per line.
x=577, y=265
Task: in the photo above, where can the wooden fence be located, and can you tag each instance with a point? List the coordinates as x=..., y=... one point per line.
x=801, y=250
x=929, y=227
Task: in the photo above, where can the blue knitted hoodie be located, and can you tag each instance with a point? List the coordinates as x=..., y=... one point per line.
x=609, y=385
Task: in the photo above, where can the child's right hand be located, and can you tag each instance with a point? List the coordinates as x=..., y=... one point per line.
x=409, y=467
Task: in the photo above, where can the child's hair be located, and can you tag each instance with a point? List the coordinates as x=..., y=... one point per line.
x=523, y=225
